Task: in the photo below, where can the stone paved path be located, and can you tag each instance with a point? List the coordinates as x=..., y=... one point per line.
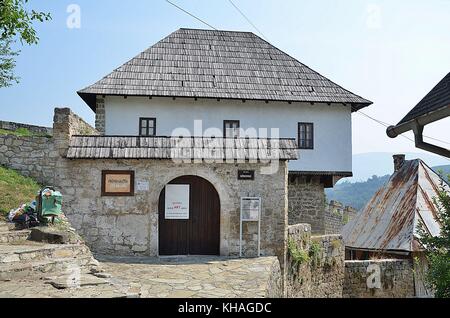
x=32, y=288
x=191, y=277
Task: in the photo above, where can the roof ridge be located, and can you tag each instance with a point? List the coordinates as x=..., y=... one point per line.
x=217, y=30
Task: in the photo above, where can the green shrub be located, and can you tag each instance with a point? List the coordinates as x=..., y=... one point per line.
x=315, y=253
x=437, y=248
x=298, y=255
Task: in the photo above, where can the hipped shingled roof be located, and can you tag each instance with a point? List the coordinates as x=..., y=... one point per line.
x=437, y=98
x=219, y=64
x=389, y=221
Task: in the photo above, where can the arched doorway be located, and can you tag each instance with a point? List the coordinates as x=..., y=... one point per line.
x=198, y=235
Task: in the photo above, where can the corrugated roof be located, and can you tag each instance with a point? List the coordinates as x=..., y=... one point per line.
x=437, y=98
x=109, y=147
x=219, y=64
x=389, y=221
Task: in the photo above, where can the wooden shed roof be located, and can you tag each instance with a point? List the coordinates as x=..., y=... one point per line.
x=108, y=147
x=219, y=64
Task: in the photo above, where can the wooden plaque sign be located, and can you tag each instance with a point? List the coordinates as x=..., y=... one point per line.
x=117, y=183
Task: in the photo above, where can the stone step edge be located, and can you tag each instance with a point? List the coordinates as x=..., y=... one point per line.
x=14, y=232
x=41, y=252
x=7, y=226
x=35, y=266
x=11, y=237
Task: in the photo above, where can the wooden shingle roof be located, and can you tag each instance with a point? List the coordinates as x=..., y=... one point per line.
x=437, y=98
x=219, y=64
x=108, y=147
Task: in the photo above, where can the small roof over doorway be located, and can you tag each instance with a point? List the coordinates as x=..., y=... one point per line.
x=108, y=147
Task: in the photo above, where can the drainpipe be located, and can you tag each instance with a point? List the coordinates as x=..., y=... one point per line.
x=418, y=136
x=417, y=126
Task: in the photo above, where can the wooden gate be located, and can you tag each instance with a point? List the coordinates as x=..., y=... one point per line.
x=200, y=234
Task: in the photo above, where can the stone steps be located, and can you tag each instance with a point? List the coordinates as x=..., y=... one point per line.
x=10, y=237
x=5, y=227
x=38, y=269
x=10, y=254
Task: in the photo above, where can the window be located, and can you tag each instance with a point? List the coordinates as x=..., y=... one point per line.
x=231, y=128
x=147, y=126
x=305, y=135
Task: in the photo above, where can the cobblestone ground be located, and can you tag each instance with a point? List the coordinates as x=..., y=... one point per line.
x=190, y=277
x=29, y=288
x=187, y=277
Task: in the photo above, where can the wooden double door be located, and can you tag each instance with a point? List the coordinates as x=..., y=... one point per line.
x=200, y=234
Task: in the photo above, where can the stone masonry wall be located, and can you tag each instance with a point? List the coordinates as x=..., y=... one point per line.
x=379, y=279
x=321, y=274
x=129, y=225
x=100, y=115
x=38, y=156
x=336, y=216
x=9, y=125
x=31, y=156
x=307, y=203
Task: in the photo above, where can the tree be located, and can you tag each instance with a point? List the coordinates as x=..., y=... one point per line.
x=7, y=64
x=437, y=248
x=16, y=23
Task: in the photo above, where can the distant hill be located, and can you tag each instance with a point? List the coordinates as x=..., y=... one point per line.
x=357, y=194
x=371, y=164
x=443, y=170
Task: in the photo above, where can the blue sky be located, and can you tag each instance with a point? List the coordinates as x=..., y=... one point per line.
x=391, y=52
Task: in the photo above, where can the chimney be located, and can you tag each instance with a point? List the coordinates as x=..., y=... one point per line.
x=399, y=160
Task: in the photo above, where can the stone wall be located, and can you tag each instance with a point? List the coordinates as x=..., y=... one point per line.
x=336, y=216
x=100, y=115
x=321, y=273
x=274, y=287
x=307, y=202
x=39, y=156
x=9, y=125
x=31, y=156
x=390, y=278
x=129, y=225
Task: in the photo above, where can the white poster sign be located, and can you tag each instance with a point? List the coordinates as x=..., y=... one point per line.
x=251, y=208
x=143, y=186
x=177, y=202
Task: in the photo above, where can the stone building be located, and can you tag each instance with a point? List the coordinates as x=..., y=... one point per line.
x=134, y=222
x=198, y=131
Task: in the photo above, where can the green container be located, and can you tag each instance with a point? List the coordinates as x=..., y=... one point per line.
x=51, y=205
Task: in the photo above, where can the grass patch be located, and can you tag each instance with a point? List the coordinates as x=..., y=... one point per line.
x=22, y=132
x=15, y=190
